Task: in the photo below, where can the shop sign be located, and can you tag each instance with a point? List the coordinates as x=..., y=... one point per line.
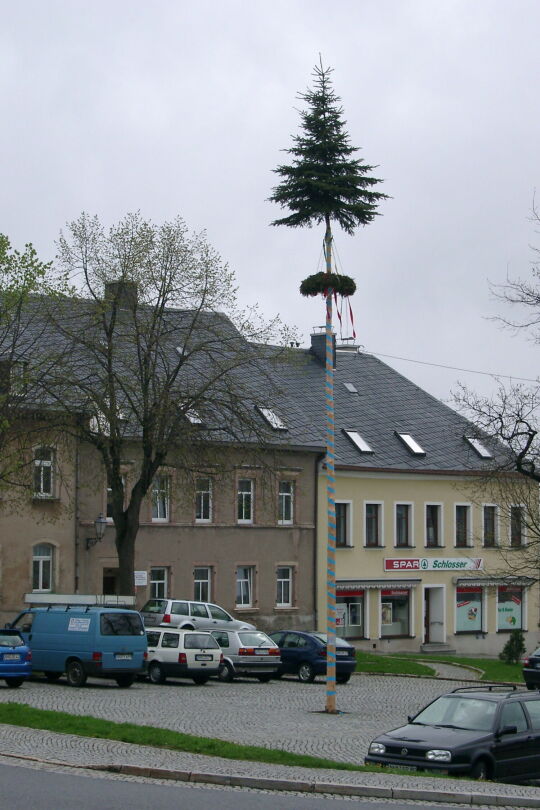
x=341, y=615
x=352, y=591
x=434, y=564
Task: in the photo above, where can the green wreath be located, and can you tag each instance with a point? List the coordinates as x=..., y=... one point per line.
x=321, y=282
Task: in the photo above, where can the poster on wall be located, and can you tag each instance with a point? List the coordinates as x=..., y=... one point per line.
x=509, y=609
x=386, y=612
x=468, y=610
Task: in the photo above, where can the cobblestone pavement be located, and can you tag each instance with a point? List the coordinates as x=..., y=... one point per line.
x=283, y=714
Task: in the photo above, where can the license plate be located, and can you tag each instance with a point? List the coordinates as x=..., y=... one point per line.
x=402, y=767
x=12, y=657
x=339, y=652
x=203, y=658
x=123, y=656
x=262, y=652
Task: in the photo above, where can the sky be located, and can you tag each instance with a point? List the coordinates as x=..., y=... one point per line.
x=182, y=108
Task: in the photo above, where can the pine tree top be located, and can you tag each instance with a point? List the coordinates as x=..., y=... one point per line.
x=324, y=182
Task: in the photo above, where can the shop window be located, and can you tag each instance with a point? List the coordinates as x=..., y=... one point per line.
x=403, y=525
x=516, y=526
x=244, y=500
x=245, y=576
x=203, y=500
x=373, y=525
x=42, y=567
x=433, y=525
x=509, y=608
x=202, y=584
x=395, y=613
x=343, y=524
x=469, y=609
x=462, y=525
x=489, y=526
x=159, y=579
x=286, y=502
x=160, y=498
x=350, y=607
x=284, y=583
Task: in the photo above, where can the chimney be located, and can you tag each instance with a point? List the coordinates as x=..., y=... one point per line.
x=318, y=345
x=123, y=292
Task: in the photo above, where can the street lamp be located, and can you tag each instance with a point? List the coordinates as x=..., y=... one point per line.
x=100, y=524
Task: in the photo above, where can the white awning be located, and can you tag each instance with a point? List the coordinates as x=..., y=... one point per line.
x=378, y=584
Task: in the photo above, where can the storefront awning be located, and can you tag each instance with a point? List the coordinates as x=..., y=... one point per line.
x=494, y=582
x=345, y=585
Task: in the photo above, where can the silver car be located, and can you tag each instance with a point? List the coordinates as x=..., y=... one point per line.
x=187, y=615
x=249, y=653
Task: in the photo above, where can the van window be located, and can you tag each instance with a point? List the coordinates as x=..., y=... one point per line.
x=198, y=609
x=180, y=608
x=121, y=624
x=195, y=641
x=24, y=622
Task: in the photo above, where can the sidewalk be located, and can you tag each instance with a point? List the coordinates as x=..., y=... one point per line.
x=132, y=760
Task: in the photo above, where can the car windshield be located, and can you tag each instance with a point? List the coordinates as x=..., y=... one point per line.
x=323, y=637
x=457, y=711
x=252, y=639
x=197, y=640
x=10, y=640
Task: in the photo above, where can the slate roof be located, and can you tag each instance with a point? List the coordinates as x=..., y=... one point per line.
x=386, y=403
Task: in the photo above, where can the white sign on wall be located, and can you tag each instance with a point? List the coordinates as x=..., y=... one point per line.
x=141, y=578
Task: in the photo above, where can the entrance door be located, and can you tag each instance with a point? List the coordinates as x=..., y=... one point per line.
x=110, y=581
x=434, y=629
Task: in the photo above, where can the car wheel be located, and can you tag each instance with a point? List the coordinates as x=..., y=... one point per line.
x=75, y=674
x=124, y=681
x=52, y=677
x=14, y=683
x=200, y=679
x=186, y=627
x=226, y=673
x=155, y=673
x=264, y=678
x=343, y=678
x=306, y=673
x=481, y=770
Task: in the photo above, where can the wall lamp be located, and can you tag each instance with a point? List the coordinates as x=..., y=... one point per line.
x=100, y=524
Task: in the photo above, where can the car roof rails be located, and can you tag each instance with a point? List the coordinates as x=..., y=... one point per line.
x=490, y=687
x=67, y=600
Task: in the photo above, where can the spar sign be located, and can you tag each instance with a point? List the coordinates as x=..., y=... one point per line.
x=434, y=564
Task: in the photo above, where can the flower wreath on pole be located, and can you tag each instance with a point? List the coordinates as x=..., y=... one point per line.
x=320, y=283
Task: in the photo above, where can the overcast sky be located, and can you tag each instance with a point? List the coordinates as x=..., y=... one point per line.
x=183, y=108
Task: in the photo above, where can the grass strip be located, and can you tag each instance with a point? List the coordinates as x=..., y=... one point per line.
x=372, y=663
x=493, y=669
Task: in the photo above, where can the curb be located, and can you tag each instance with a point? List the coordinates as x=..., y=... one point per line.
x=297, y=786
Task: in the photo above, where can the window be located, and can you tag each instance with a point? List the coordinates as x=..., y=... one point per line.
x=286, y=502
x=395, y=613
x=403, y=525
x=411, y=444
x=352, y=600
x=358, y=441
x=245, y=500
x=463, y=526
x=509, y=608
x=468, y=609
x=272, y=418
x=373, y=525
x=109, y=498
x=202, y=584
x=44, y=472
x=203, y=500
x=160, y=498
x=343, y=527
x=489, y=526
x=244, y=586
x=478, y=447
x=516, y=526
x=433, y=525
x=158, y=583
x=350, y=387
x=42, y=567
x=512, y=714
x=284, y=581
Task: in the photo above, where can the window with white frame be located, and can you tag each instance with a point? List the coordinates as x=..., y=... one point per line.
x=159, y=583
x=403, y=527
x=343, y=524
x=245, y=576
x=489, y=526
x=202, y=583
x=433, y=525
x=244, y=500
x=44, y=458
x=286, y=502
x=42, y=567
x=373, y=524
x=160, y=497
x=284, y=582
x=516, y=526
x=109, y=507
x=203, y=500
x=462, y=525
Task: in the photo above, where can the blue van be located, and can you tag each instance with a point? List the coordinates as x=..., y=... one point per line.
x=100, y=641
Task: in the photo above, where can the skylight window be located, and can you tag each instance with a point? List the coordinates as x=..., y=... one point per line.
x=194, y=417
x=350, y=387
x=411, y=444
x=478, y=447
x=272, y=418
x=358, y=441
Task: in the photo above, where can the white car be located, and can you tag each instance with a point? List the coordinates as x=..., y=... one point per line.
x=188, y=615
x=182, y=654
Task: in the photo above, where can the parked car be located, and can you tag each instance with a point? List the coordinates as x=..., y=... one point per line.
x=83, y=640
x=304, y=654
x=531, y=670
x=187, y=615
x=486, y=732
x=250, y=653
x=15, y=658
x=182, y=654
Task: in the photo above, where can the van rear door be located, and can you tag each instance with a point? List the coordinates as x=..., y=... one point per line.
x=122, y=640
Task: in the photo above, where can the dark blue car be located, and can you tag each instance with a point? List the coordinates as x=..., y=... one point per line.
x=304, y=654
x=15, y=658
